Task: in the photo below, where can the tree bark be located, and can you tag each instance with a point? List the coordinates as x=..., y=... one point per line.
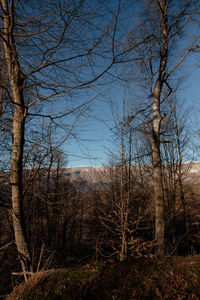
x=157, y=174
x=16, y=81
x=157, y=118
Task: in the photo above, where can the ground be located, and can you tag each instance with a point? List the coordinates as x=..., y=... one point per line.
x=144, y=278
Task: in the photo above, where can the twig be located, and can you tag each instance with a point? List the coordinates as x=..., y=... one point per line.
x=5, y=246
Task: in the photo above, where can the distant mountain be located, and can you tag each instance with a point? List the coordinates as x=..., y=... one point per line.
x=90, y=174
x=193, y=167
x=95, y=175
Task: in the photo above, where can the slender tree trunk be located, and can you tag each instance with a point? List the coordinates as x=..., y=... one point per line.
x=180, y=181
x=157, y=118
x=157, y=174
x=16, y=83
x=48, y=220
x=123, y=246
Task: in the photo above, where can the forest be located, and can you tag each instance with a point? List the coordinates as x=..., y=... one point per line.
x=60, y=60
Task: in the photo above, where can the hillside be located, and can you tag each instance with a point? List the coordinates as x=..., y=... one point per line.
x=177, y=278
x=100, y=173
x=73, y=217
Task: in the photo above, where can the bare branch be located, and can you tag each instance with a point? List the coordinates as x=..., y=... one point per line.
x=183, y=57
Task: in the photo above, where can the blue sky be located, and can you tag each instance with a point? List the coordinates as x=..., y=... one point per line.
x=93, y=134
x=92, y=131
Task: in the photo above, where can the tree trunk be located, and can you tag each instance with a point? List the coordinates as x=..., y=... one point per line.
x=123, y=242
x=16, y=83
x=157, y=174
x=157, y=118
x=180, y=179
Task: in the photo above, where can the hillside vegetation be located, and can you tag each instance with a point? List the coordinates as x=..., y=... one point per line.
x=175, y=278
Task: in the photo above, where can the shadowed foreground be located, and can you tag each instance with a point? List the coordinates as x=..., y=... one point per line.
x=177, y=278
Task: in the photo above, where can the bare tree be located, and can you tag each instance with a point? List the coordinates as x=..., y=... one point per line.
x=175, y=138
x=51, y=49
x=164, y=22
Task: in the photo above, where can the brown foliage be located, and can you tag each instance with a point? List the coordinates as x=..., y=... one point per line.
x=136, y=279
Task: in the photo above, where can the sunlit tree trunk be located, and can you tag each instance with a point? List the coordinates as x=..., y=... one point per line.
x=157, y=173
x=157, y=118
x=16, y=83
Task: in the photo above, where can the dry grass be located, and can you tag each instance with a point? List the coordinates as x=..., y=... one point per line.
x=32, y=283
x=177, y=278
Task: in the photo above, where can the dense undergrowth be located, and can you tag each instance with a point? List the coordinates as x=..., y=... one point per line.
x=174, y=278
